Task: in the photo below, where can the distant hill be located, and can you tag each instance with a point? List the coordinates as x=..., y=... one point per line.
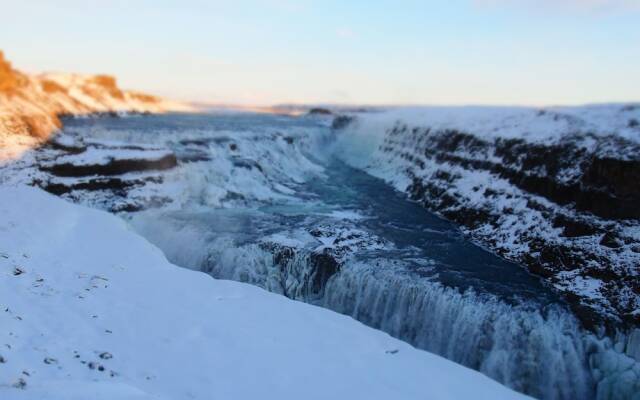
x=31, y=104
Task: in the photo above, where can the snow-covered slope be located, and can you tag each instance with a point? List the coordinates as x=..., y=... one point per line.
x=91, y=310
x=554, y=189
x=30, y=104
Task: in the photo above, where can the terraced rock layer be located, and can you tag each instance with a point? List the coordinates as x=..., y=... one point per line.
x=567, y=210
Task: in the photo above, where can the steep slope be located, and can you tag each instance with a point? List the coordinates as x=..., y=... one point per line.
x=30, y=105
x=90, y=310
x=556, y=190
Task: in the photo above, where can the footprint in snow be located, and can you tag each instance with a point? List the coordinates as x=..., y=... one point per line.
x=20, y=384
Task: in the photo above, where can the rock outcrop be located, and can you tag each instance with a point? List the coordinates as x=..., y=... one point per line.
x=105, y=171
x=30, y=105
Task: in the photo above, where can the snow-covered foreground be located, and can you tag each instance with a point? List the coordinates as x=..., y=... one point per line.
x=91, y=310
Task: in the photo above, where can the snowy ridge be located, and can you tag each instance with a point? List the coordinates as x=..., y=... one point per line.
x=91, y=309
x=531, y=124
x=30, y=105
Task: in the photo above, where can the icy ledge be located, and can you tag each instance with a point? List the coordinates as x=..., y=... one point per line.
x=88, y=308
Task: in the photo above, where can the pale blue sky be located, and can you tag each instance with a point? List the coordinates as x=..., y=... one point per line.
x=375, y=52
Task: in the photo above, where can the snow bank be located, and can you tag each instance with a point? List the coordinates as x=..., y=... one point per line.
x=91, y=310
x=532, y=124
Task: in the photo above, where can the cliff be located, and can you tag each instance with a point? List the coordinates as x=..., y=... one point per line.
x=30, y=105
x=555, y=190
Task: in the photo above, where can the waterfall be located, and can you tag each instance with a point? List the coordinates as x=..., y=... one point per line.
x=544, y=353
x=541, y=355
x=533, y=348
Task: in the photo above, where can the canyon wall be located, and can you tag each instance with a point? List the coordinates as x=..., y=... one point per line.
x=555, y=190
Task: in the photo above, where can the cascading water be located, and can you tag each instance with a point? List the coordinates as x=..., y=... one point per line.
x=539, y=354
x=542, y=353
x=257, y=205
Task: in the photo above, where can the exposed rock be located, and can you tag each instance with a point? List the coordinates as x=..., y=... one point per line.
x=116, y=166
x=116, y=185
x=311, y=270
x=320, y=111
x=611, y=240
x=305, y=268
x=325, y=265
x=114, y=176
x=341, y=122
x=574, y=228
x=30, y=105
x=246, y=163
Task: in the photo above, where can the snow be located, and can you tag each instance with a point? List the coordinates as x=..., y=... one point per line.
x=91, y=310
x=77, y=84
x=98, y=156
x=66, y=140
x=346, y=214
x=531, y=124
x=12, y=147
x=300, y=239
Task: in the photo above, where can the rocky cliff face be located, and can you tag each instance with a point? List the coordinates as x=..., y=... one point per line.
x=30, y=105
x=562, y=197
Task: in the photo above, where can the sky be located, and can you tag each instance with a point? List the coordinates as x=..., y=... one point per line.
x=261, y=52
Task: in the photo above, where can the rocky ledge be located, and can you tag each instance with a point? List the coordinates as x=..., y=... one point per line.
x=111, y=175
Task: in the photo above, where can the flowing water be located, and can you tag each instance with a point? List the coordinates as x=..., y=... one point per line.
x=262, y=199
